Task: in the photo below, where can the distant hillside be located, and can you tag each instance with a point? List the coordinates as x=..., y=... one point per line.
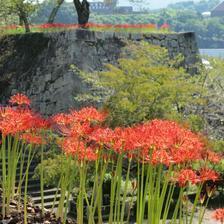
x=201, y=6
x=157, y=4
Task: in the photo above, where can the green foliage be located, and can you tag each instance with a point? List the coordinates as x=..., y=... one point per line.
x=146, y=84
x=66, y=13
x=201, y=6
x=16, y=11
x=52, y=170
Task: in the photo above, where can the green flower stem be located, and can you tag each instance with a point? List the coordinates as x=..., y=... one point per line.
x=26, y=182
x=4, y=176
x=42, y=179
x=70, y=187
x=141, y=210
x=65, y=184
x=150, y=193
x=21, y=176
x=181, y=213
x=9, y=170
x=113, y=189
x=99, y=191
x=138, y=193
x=118, y=190
x=80, y=205
x=202, y=213
x=158, y=198
x=10, y=155
x=56, y=194
x=195, y=203
x=93, y=196
x=168, y=203
x=174, y=218
x=125, y=192
x=162, y=200
x=147, y=184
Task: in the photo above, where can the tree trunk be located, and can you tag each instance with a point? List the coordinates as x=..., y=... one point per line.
x=20, y=21
x=55, y=11
x=25, y=21
x=83, y=12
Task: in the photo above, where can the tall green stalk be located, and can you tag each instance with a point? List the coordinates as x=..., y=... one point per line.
x=125, y=191
x=10, y=156
x=30, y=158
x=66, y=182
x=42, y=179
x=115, y=183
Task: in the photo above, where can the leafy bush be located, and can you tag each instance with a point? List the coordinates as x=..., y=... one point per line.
x=145, y=84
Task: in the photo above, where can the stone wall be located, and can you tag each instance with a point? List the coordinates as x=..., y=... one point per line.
x=38, y=64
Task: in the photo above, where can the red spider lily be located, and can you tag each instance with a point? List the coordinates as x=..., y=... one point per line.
x=33, y=138
x=40, y=123
x=180, y=144
x=160, y=157
x=78, y=149
x=218, y=215
x=81, y=130
x=97, y=25
x=212, y=156
x=186, y=176
x=20, y=99
x=62, y=119
x=13, y=120
x=89, y=114
x=57, y=25
x=208, y=174
x=171, y=143
x=10, y=27
x=165, y=26
x=16, y=120
x=77, y=123
x=103, y=136
x=89, y=25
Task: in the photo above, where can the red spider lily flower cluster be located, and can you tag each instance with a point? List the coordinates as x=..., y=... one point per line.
x=165, y=26
x=84, y=136
x=57, y=25
x=33, y=139
x=189, y=176
x=98, y=25
x=46, y=26
x=20, y=99
x=77, y=126
x=22, y=121
x=10, y=27
x=159, y=142
x=219, y=215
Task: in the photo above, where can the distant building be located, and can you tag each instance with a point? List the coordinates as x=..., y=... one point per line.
x=206, y=14
x=99, y=7
x=109, y=6
x=218, y=11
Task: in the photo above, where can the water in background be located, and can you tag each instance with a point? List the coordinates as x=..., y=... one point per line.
x=213, y=52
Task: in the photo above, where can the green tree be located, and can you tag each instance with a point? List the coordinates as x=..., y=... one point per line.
x=21, y=8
